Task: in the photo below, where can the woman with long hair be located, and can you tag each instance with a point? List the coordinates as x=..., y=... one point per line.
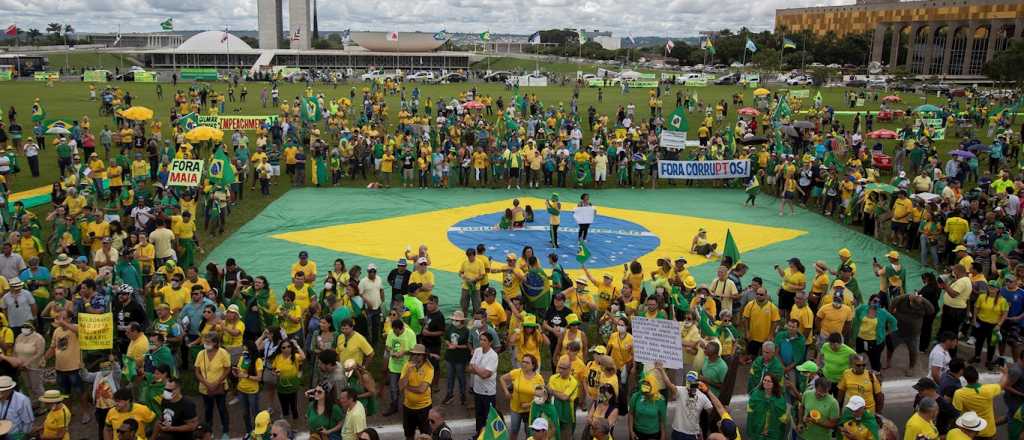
x=323, y=415
x=324, y=338
x=287, y=366
x=766, y=411
x=872, y=324
x=518, y=386
x=604, y=407
x=990, y=311
x=930, y=291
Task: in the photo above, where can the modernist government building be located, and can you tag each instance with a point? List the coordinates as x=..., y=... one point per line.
x=932, y=37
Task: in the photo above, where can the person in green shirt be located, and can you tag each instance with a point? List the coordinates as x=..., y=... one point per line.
x=819, y=412
x=323, y=415
x=648, y=409
x=1004, y=242
x=767, y=410
x=543, y=406
x=766, y=364
x=836, y=357
x=151, y=387
x=398, y=343
x=159, y=354
x=715, y=369
x=857, y=420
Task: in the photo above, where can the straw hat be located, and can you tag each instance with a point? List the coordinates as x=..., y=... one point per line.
x=971, y=422
x=51, y=396
x=5, y=427
x=62, y=260
x=458, y=316
x=418, y=349
x=6, y=383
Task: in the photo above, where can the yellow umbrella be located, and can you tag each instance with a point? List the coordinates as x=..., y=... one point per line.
x=204, y=133
x=762, y=92
x=136, y=113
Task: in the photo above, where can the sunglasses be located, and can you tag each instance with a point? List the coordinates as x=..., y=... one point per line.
x=860, y=365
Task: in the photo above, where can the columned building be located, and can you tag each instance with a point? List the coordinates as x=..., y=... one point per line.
x=935, y=37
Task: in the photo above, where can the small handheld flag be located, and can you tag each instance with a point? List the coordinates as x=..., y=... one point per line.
x=535, y=38
x=677, y=121
x=583, y=254
x=788, y=44
x=221, y=171
x=311, y=111
x=167, y=25
x=731, y=250
x=495, y=429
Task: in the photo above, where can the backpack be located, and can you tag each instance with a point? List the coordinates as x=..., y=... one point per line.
x=560, y=279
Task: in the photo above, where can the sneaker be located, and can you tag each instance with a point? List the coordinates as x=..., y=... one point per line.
x=449, y=399
x=225, y=436
x=234, y=401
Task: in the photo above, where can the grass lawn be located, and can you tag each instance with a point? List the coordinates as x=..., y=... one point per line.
x=520, y=64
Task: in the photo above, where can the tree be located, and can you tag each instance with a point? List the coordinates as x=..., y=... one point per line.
x=1005, y=65
x=68, y=29
x=34, y=33
x=767, y=59
x=54, y=28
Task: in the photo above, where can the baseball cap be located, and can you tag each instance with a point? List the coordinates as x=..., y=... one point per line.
x=262, y=423
x=855, y=403
x=402, y=262
x=421, y=260
x=370, y=267
x=539, y=424
x=925, y=383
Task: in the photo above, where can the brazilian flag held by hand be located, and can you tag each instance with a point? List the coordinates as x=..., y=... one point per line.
x=730, y=249
x=495, y=429
x=221, y=171
x=583, y=254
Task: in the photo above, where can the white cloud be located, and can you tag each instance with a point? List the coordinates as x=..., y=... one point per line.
x=640, y=17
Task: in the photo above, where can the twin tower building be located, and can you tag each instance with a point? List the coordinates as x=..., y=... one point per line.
x=271, y=26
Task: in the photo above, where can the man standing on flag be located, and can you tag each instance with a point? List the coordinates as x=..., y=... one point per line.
x=554, y=212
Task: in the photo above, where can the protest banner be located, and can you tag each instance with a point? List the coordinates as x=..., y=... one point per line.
x=704, y=169
x=96, y=331
x=199, y=74
x=185, y=172
x=932, y=122
x=46, y=76
x=251, y=122
x=95, y=76
x=800, y=94
x=147, y=77
x=696, y=83
x=939, y=134
x=657, y=340
x=6, y=75
x=860, y=102
x=642, y=84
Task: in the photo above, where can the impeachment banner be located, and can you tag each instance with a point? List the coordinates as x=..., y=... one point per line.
x=237, y=122
x=704, y=169
x=642, y=83
x=185, y=172
x=657, y=340
x=801, y=94
x=96, y=331
x=46, y=76
x=144, y=77
x=6, y=75
x=95, y=76
x=696, y=83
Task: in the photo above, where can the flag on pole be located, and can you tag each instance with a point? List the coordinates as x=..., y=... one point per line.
x=495, y=429
x=311, y=109
x=751, y=46
x=393, y=36
x=783, y=110
x=631, y=39
x=188, y=121
x=441, y=35
x=583, y=254
x=535, y=38
x=167, y=25
x=788, y=44
x=677, y=121
x=730, y=249
x=224, y=38
x=11, y=31
x=221, y=171
x=117, y=39
x=581, y=36
x=708, y=46
x=485, y=36
x=817, y=96
x=38, y=112
x=669, y=46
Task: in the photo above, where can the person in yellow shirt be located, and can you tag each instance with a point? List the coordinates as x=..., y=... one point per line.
x=212, y=366
x=387, y=165
x=184, y=228
x=495, y=312
x=351, y=344
x=474, y=274
x=306, y=266
x=793, y=281
x=760, y=318
x=980, y=399
x=126, y=409
x=859, y=381
x=834, y=318
x=921, y=425
x=423, y=280
x=990, y=310
x=414, y=383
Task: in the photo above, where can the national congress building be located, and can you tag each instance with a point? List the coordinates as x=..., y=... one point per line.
x=934, y=37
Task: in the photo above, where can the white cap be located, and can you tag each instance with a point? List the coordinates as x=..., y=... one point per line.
x=539, y=424
x=421, y=260
x=370, y=267
x=855, y=403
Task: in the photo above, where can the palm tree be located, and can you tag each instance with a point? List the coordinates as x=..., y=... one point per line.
x=68, y=29
x=34, y=33
x=54, y=28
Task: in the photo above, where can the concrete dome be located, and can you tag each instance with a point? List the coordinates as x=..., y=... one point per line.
x=210, y=41
x=407, y=41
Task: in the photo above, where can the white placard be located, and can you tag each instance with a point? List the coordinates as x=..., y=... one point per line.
x=584, y=215
x=657, y=340
x=673, y=139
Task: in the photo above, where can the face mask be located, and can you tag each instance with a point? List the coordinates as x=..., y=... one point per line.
x=874, y=305
x=615, y=307
x=208, y=346
x=168, y=395
x=539, y=400
x=687, y=324
x=837, y=304
x=459, y=324
x=328, y=285
x=621, y=328
x=26, y=331
x=477, y=323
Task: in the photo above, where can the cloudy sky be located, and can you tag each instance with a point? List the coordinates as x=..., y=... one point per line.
x=677, y=18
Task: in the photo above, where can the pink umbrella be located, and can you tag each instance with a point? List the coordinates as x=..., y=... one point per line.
x=473, y=105
x=883, y=134
x=748, y=111
x=892, y=98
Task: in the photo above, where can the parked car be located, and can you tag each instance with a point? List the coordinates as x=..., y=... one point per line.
x=903, y=87
x=451, y=77
x=800, y=81
x=877, y=83
x=856, y=83
x=933, y=87
x=377, y=74
x=731, y=78
x=423, y=75
x=498, y=76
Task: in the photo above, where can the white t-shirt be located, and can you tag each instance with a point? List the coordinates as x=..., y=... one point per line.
x=688, y=409
x=1012, y=204
x=370, y=290
x=487, y=361
x=939, y=357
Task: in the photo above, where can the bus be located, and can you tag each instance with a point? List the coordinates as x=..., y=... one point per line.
x=23, y=65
